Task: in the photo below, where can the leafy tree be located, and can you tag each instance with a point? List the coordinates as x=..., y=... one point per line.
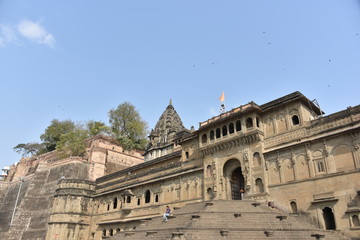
x=29, y=149
x=72, y=143
x=95, y=128
x=127, y=126
x=52, y=133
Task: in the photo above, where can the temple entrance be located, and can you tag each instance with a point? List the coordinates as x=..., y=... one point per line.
x=329, y=218
x=237, y=183
x=234, y=180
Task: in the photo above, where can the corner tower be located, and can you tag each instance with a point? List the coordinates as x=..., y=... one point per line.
x=162, y=137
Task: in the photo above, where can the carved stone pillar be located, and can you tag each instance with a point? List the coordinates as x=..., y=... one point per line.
x=278, y=166
x=293, y=162
x=309, y=160
x=356, y=147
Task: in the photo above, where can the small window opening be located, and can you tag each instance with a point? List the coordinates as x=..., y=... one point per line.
x=138, y=201
x=147, y=196
x=238, y=125
x=187, y=155
x=293, y=206
x=355, y=220
x=204, y=138
x=249, y=123
x=295, y=120
x=118, y=230
x=224, y=130
x=111, y=232
x=212, y=135
x=108, y=207
x=320, y=166
x=104, y=232
x=156, y=198
x=231, y=128
x=210, y=193
x=218, y=133
x=128, y=199
x=257, y=122
x=209, y=171
x=115, y=202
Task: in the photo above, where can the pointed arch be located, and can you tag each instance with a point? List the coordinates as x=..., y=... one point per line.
x=288, y=170
x=343, y=158
x=302, y=167
x=281, y=123
x=234, y=178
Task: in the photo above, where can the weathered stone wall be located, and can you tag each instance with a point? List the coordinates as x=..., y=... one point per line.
x=35, y=200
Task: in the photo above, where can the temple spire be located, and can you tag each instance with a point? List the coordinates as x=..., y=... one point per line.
x=170, y=102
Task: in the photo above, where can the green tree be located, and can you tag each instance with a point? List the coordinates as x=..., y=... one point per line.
x=29, y=149
x=95, y=128
x=128, y=126
x=73, y=143
x=52, y=133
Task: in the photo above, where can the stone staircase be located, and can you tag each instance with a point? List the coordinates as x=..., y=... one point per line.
x=220, y=219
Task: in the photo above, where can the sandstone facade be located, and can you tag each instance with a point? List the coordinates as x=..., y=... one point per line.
x=283, y=152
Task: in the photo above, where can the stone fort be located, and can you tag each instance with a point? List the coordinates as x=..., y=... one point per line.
x=300, y=172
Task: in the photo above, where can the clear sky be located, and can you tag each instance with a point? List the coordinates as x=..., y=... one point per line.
x=79, y=59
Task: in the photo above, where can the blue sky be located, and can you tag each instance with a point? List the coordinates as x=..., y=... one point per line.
x=79, y=59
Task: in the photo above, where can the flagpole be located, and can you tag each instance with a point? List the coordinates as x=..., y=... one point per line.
x=222, y=101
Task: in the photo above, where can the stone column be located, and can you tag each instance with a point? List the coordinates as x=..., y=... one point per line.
x=309, y=160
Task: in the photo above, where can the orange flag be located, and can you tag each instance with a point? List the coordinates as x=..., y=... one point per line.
x=222, y=98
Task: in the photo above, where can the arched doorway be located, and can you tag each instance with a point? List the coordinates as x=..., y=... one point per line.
x=237, y=183
x=329, y=218
x=234, y=179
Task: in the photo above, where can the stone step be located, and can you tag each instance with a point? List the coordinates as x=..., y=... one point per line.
x=229, y=220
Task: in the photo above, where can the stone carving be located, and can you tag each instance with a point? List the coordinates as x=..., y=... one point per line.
x=355, y=140
x=326, y=149
x=308, y=152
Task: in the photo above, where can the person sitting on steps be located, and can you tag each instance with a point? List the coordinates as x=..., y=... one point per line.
x=167, y=213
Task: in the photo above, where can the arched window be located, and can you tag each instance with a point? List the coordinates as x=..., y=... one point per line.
x=238, y=125
x=231, y=128
x=259, y=185
x=218, y=133
x=224, y=130
x=256, y=159
x=156, y=198
x=320, y=166
x=355, y=220
x=115, y=203
x=210, y=193
x=187, y=155
x=147, y=196
x=104, y=232
x=128, y=199
x=209, y=171
x=295, y=120
x=293, y=206
x=249, y=123
x=257, y=122
x=204, y=138
x=111, y=232
x=212, y=135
